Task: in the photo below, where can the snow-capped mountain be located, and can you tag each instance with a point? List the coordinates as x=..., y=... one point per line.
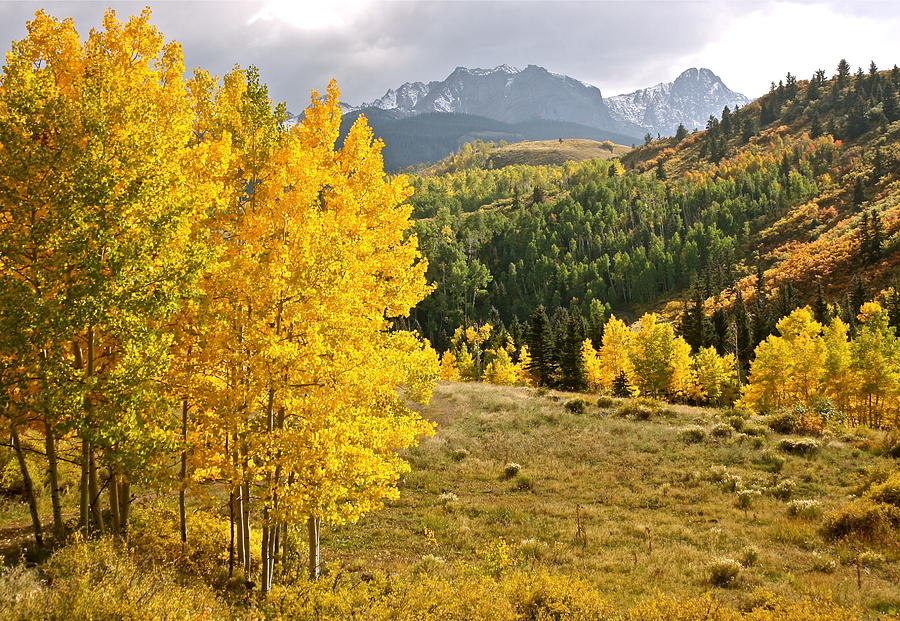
x=509, y=95
x=691, y=99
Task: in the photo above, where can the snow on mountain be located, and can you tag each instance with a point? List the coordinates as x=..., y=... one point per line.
x=691, y=99
x=506, y=94
x=513, y=95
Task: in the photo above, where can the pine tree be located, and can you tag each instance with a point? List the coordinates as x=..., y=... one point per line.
x=541, y=348
x=571, y=363
x=761, y=321
x=681, y=133
x=660, y=171
x=859, y=192
x=743, y=332
x=537, y=196
x=820, y=309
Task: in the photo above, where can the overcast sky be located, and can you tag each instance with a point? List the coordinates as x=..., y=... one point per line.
x=370, y=46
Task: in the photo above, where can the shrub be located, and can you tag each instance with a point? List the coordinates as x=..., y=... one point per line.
x=890, y=444
x=808, y=509
x=801, y=446
x=693, y=435
x=605, y=403
x=723, y=572
x=781, y=422
x=640, y=409
x=101, y=579
x=871, y=559
x=577, y=406
x=722, y=430
x=745, y=498
x=800, y=420
x=717, y=473
x=523, y=483
x=447, y=498
x=754, y=430
x=822, y=563
x=732, y=483
x=863, y=520
x=887, y=492
x=736, y=422
x=459, y=454
x=783, y=490
x=511, y=469
x=769, y=461
x=749, y=556
x=755, y=441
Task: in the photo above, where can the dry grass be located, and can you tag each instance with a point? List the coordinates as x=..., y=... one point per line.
x=543, y=152
x=653, y=517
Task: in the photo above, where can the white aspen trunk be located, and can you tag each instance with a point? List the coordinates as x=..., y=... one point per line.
x=315, y=561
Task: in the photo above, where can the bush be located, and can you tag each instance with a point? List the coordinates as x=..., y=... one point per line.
x=640, y=409
x=605, y=403
x=783, y=490
x=781, y=422
x=890, y=445
x=723, y=572
x=808, y=509
x=717, y=473
x=871, y=559
x=749, y=556
x=511, y=469
x=692, y=435
x=755, y=430
x=577, y=406
x=887, y=492
x=800, y=420
x=459, y=454
x=523, y=483
x=722, y=430
x=745, y=498
x=822, y=563
x=769, y=461
x=862, y=520
x=101, y=579
x=736, y=422
x=801, y=446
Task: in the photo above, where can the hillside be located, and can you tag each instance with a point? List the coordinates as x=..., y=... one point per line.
x=802, y=186
x=541, y=152
x=601, y=511
x=425, y=138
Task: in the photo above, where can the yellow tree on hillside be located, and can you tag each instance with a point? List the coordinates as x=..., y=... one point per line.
x=875, y=365
x=656, y=356
x=615, y=354
x=310, y=397
x=788, y=368
x=102, y=186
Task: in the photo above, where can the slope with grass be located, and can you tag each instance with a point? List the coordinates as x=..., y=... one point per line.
x=537, y=499
x=542, y=152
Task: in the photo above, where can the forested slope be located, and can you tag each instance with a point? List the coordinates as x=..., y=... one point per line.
x=802, y=187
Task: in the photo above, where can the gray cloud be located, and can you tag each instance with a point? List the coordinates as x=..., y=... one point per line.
x=617, y=46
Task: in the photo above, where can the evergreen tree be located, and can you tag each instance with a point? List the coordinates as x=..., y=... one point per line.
x=786, y=300
x=537, y=196
x=621, y=387
x=720, y=331
x=892, y=307
x=571, y=363
x=680, y=133
x=540, y=345
x=843, y=71
x=820, y=307
x=761, y=321
x=743, y=332
x=660, y=171
x=815, y=129
x=859, y=192
x=648, y=138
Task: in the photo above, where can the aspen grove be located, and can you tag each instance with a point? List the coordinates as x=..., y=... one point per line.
x=193, y=293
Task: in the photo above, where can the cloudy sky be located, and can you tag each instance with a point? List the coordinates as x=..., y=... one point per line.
x=618, y=46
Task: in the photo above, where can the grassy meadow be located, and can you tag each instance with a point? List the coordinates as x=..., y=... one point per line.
x=656, y=507
x=520, y=496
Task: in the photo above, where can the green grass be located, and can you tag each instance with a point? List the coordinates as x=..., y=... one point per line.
x=658, y=514
x=638, y=485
